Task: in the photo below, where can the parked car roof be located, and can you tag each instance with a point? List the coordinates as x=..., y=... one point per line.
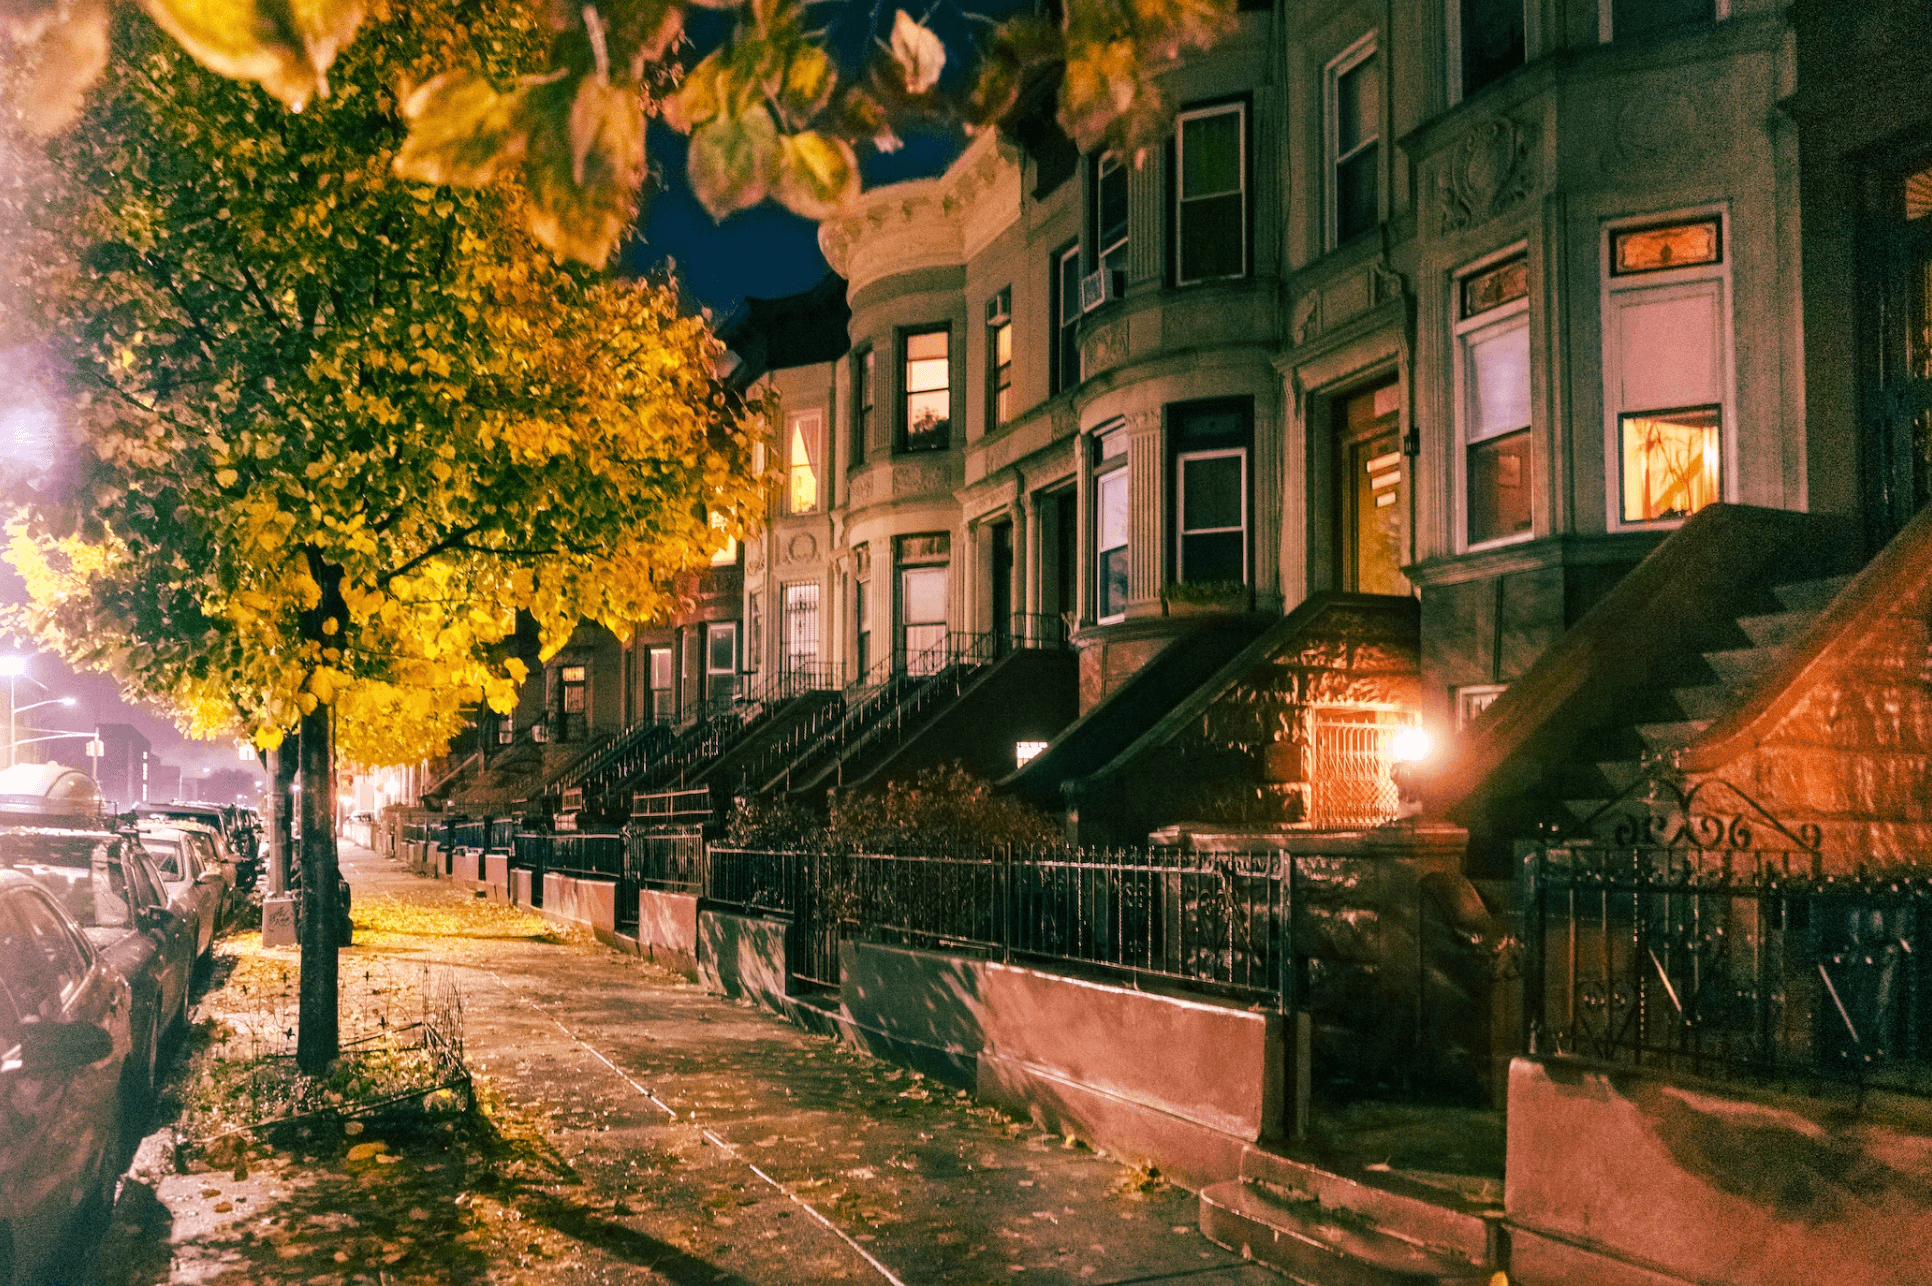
x=47, y=791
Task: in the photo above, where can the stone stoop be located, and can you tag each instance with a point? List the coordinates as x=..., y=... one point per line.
x=1326, y=1229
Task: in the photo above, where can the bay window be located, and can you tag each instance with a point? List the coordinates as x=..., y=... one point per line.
x=1210, y=442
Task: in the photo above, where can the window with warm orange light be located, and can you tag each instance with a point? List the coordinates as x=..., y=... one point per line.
x=1672, y=463
x=805, y=434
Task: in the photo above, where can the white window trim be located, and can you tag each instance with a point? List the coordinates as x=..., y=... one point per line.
x=815, y=417
x=1695, y=275
x=1100, y=171
x=1117, y=465
x=1240, y=111
x=1606, y=21
x=1063, y=323
x=711, y=631
x=1464, y=329
x=1452, y=31
x=1348, y=60
x=1182, y=531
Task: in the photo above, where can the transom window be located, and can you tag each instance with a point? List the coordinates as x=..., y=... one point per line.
x=1212, y=209
x=928, y=385
x=1494, y=377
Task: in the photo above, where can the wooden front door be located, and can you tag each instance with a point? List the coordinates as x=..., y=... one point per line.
x=1371, y=502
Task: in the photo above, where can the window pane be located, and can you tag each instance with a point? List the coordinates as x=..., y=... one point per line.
x=1669, y=353
x=720, y=641
x=1499, y=382
x=1110, y=202
x=805, y=448
x=1211, y=493
x=930, y=344
x=1112, y=527
x=923, y=591
x=1358, y=105
x=927, y=416
x=1211, y=154
x=1499, y=487
x=1003, y=345
x=1212, y=238
x=1212, y=557
x=660, y=667
x=1113, y=582
x=1672, y=463
x=1357, y=203
x=927, y=374
x=1495, y=286
x=1492, y=41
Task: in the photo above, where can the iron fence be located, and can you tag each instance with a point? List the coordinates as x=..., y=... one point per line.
x=582, y=854
x=469, y=833
x=1218, y=922
x=1729, y=962
x=670, y=861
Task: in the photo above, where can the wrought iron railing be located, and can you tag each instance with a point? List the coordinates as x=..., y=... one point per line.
x=670, y=861
x=1712, y=944
x=582, y=854
x=1216, y=922
x=664, y=806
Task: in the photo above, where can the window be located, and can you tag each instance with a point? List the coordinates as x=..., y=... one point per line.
x=864, y=389
x=46, y=964
x=1210, y=442
x=1354, y=133
x=1489, y=40
x=1066, y=318
x=1211, y=216
x=1635, y=19
x=1110, y=214
x=727, y=555
x=720, y=664
x=1665, y=368
x=570, y=702
x=506, y=729
x=1111, y=513
x=662, y=708
x=862, y=626
x=805, y=437
x=1494, y=379
x=922, y=606
x=999, y=358
x=801, y=634
x=929, y=396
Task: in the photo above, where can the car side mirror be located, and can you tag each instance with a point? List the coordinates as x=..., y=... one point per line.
x=61, y=1049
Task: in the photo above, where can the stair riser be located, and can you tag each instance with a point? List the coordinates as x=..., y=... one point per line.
x=1307, y=1259
x=1425, y=1220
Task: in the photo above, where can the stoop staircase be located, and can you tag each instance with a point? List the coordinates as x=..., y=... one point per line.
x=1326, y=1229
x=1697, y=688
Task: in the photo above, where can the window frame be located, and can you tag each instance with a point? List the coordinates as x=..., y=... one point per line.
x=795, y=421
x=1515, y=312
x=1105, y=164
x=1714, y=278
x=999, y=375
x=907, y=392
x=865, y=393
x=1110, y=470
x=1181, y=529
x=1241, y=107
x=1365, y=48
x=1065, y=328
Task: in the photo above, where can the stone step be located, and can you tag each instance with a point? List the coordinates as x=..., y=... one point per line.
x=1319, y=1246
x=1774, y=628
x=1705, y=701
x=1424, y=1214
x=1811, y=595
x=1738, y=668
x=1671, y=735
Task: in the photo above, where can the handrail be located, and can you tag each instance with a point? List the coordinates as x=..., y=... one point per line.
x=1903, y=568
x=452, y=774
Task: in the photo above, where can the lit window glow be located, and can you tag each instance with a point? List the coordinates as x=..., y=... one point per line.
x=1024, y=751
x=1672, y=463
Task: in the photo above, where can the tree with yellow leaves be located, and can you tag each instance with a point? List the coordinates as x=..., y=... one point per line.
x=771, y=113
x=334, y=432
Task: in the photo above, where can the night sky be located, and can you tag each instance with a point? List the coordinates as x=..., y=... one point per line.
x=765, y=252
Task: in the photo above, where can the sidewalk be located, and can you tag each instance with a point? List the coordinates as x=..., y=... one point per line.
x=689, y=1139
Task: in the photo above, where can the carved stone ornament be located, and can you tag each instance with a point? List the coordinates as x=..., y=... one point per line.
x=1107, y=348
x=1308, y=318
x=861, y=488
x=1651, y=129
x=801, y=547
x=1487, y=173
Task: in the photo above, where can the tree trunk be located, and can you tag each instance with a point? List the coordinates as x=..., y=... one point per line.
x=282, y=765
x=317, y=1036
x=316, y=1031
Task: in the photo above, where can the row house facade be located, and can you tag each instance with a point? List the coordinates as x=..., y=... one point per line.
x=1472, y=302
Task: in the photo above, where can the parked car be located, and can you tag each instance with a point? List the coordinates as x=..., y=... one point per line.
x=238, y=843
x=190, y=876
x=104, y=881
